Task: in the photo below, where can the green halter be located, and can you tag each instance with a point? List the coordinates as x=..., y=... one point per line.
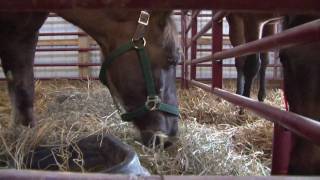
x=153, y=102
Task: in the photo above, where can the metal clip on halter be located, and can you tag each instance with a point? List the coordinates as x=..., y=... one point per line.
x=144, y=18
x=153, y=103
x=139, y=44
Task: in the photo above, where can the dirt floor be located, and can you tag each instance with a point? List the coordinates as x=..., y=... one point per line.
x=214, y=138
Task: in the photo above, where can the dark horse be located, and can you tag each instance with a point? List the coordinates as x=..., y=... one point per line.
x=244, y=28
x=301, y=70
x=126, y=78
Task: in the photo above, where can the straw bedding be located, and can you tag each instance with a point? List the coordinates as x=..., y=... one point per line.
x=214, y=139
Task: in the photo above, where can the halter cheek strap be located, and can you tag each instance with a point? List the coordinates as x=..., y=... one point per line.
x=138, y=43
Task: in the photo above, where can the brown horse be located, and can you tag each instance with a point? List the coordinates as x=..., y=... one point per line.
x=125, y=76
x=244, y=28
x=301, y=70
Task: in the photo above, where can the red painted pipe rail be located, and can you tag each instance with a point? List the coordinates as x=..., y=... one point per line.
x=217, y=17
x=255, y=5
x=233, y=65
x=208, y=80
x=300, y=125
x=305, y=33
x=28, y=174
x=193, y=17
x=201, y=32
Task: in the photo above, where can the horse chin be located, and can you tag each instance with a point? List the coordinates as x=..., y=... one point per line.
x=157, y=129
x=157, y=140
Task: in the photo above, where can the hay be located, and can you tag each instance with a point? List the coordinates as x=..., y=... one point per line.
x=214, y=139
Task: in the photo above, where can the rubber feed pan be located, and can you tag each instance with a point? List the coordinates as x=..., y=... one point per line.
x=100, y=154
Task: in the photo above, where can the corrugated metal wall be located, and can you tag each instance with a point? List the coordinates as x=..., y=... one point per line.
x=57, y=25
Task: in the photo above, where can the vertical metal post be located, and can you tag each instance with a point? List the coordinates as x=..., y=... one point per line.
x=283, y=139
x=281, y=150
x=183, y=46
x=275, y=63
x=186, y=55
x=194, y=30
x=216, y=47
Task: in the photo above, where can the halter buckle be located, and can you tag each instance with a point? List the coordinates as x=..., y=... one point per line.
x=153, y=103
x=144, y=18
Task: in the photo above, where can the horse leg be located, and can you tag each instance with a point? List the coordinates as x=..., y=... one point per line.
x=252, y=63
x=267, y=30
x=19, y=36
x=262, y=76
x=240, y=75
x=251, y=68
x=17, y=63
x=236, y=33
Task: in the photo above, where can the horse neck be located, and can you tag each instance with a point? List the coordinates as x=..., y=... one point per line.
x=107, y=27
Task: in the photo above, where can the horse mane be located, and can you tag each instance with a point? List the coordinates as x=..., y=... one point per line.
x=171, y=39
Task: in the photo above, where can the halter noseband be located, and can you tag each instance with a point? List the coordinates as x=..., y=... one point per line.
x=138, y=44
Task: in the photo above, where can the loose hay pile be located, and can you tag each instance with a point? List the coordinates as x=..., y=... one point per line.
x=214, y=139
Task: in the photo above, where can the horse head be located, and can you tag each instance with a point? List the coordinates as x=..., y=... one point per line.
x=139, y=69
